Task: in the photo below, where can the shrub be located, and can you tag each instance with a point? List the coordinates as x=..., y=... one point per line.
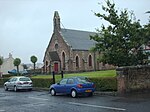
x=105, y=83
x=102, y=83
x=8, y=75
x=3, y=80
x=42, y=82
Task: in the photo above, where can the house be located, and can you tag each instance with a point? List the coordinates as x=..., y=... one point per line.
x=69, y=51
x=8, y=65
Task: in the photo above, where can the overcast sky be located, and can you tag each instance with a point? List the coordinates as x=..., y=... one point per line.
x=26, y=26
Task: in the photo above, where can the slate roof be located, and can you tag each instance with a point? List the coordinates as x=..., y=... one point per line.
x=78, y=40
x=54, y=56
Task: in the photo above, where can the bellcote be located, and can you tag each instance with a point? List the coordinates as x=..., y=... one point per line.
x=56, y=21
x=10, y=55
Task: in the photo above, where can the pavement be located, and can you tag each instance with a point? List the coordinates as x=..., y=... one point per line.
x=40, y=100
x=109, y=93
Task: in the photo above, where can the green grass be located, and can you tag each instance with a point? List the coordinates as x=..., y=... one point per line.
x=106, y=73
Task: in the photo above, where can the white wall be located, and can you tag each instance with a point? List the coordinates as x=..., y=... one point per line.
x=8, y=65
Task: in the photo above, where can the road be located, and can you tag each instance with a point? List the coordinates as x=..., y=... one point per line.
x=42, y=101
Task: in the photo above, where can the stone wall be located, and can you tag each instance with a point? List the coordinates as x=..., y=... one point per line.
x=133, y=79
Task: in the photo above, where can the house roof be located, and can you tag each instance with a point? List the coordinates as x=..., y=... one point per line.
x=78, y=40
x=54, y=56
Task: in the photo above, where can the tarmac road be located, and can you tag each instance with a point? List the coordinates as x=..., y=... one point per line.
x=42, y=101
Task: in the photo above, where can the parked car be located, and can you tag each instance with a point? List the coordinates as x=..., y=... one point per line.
x=73, y=86
x=18, y=83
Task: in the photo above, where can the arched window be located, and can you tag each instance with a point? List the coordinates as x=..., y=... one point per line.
x=90, y=60
x=46, y=63
x=63, y=60
x=56, y=46
x=77, y=61
x=46, y=69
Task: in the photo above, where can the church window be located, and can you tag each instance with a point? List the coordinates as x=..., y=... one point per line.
x=56, y=46
x=63, y=60
x=90, y=60
x=46, y=63
x=77, y=61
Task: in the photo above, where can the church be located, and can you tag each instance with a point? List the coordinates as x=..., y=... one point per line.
x=69, y=51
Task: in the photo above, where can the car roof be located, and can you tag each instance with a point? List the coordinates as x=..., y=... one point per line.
x=75, y=77
x=20, y=77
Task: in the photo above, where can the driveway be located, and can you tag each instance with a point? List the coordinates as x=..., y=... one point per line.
x=42, y=101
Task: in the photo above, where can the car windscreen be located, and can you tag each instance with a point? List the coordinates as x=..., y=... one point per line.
x=24, y=79
x=83, y=80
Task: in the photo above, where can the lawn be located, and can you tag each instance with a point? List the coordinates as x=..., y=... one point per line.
x=105, y=73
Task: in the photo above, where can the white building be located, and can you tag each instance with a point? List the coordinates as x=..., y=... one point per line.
x=8, y=65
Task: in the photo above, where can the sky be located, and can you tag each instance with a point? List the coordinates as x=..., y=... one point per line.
x=26, y=26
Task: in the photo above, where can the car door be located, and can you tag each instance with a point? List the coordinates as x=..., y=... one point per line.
x=61, y=87
x=9, y=83
x=13, y=83
x=70, y=85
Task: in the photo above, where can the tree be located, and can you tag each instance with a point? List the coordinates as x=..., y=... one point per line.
x=33, y=60
x=1, y=61
x=121, y=41
x=147, y=35
x=147, y=32
x=17, y=62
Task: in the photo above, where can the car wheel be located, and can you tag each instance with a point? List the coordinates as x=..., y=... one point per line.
x=5, y=87
x=30, y=89
x=74, y=94
x=15, y=88
x=53, y=92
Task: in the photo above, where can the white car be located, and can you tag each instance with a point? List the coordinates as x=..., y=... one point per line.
x=18, y=83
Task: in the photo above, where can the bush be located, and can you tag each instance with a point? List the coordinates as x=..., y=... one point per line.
x=3, y=80
x=105, y=83
x=102, y=83
x=8, y=75
x=42, y=82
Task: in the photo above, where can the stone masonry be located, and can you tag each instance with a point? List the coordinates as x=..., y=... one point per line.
x=133, y=79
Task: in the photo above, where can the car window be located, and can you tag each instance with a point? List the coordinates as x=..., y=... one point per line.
x=70, y=81
x=63, y=81
x=11, y=80
x=14, y=79
x=83, y=80
x=24, y=79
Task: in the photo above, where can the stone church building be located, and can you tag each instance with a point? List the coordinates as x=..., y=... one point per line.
x=69, y=51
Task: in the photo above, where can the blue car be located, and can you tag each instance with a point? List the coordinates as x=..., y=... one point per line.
x=73, y=86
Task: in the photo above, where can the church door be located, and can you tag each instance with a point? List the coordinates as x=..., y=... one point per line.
x=56, y=67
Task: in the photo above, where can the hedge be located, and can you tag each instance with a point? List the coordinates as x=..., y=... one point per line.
x=3, y=80
x=41, y=82
x=105, y=83
x=102, y=84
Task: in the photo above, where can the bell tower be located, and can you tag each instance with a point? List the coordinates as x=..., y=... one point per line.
x=56, y=21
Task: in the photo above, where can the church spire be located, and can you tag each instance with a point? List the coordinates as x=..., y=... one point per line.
x=56, y=20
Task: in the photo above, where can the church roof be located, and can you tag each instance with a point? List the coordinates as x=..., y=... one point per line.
x=54, y=56
x=78, y=40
